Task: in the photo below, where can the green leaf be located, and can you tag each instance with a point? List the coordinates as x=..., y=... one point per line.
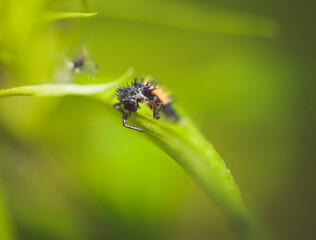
x=191, y=15
x=53, y=90
x=53, y=16
x=182, y=141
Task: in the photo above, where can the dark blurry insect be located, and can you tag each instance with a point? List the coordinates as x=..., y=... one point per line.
x=144, y=91
x=77, y=64
x=83, y=63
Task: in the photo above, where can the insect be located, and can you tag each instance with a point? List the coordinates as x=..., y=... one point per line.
x=144, y=91
x=83, y=63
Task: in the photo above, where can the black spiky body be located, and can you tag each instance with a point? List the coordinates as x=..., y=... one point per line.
x=137, y=91
x=148, y=93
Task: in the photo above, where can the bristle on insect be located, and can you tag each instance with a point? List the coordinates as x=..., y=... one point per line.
x=157, y=90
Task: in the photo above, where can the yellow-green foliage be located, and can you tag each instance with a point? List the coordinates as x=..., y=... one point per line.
x=71, y=171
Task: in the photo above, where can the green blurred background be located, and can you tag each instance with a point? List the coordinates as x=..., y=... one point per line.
x=243, y=70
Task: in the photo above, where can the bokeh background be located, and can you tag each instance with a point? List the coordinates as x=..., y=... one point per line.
x=243, y=70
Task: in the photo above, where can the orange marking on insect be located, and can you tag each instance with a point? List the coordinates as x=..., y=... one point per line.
x=162, y=94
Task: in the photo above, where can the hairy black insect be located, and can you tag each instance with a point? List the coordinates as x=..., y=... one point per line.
x=144, y=91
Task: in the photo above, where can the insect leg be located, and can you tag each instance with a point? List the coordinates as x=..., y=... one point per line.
x=156, y=107
x=118, y=107
x=125, y=115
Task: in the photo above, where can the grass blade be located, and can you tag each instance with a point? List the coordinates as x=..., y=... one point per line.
x=66, y=89
x=53, y=16
x=182, y=141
